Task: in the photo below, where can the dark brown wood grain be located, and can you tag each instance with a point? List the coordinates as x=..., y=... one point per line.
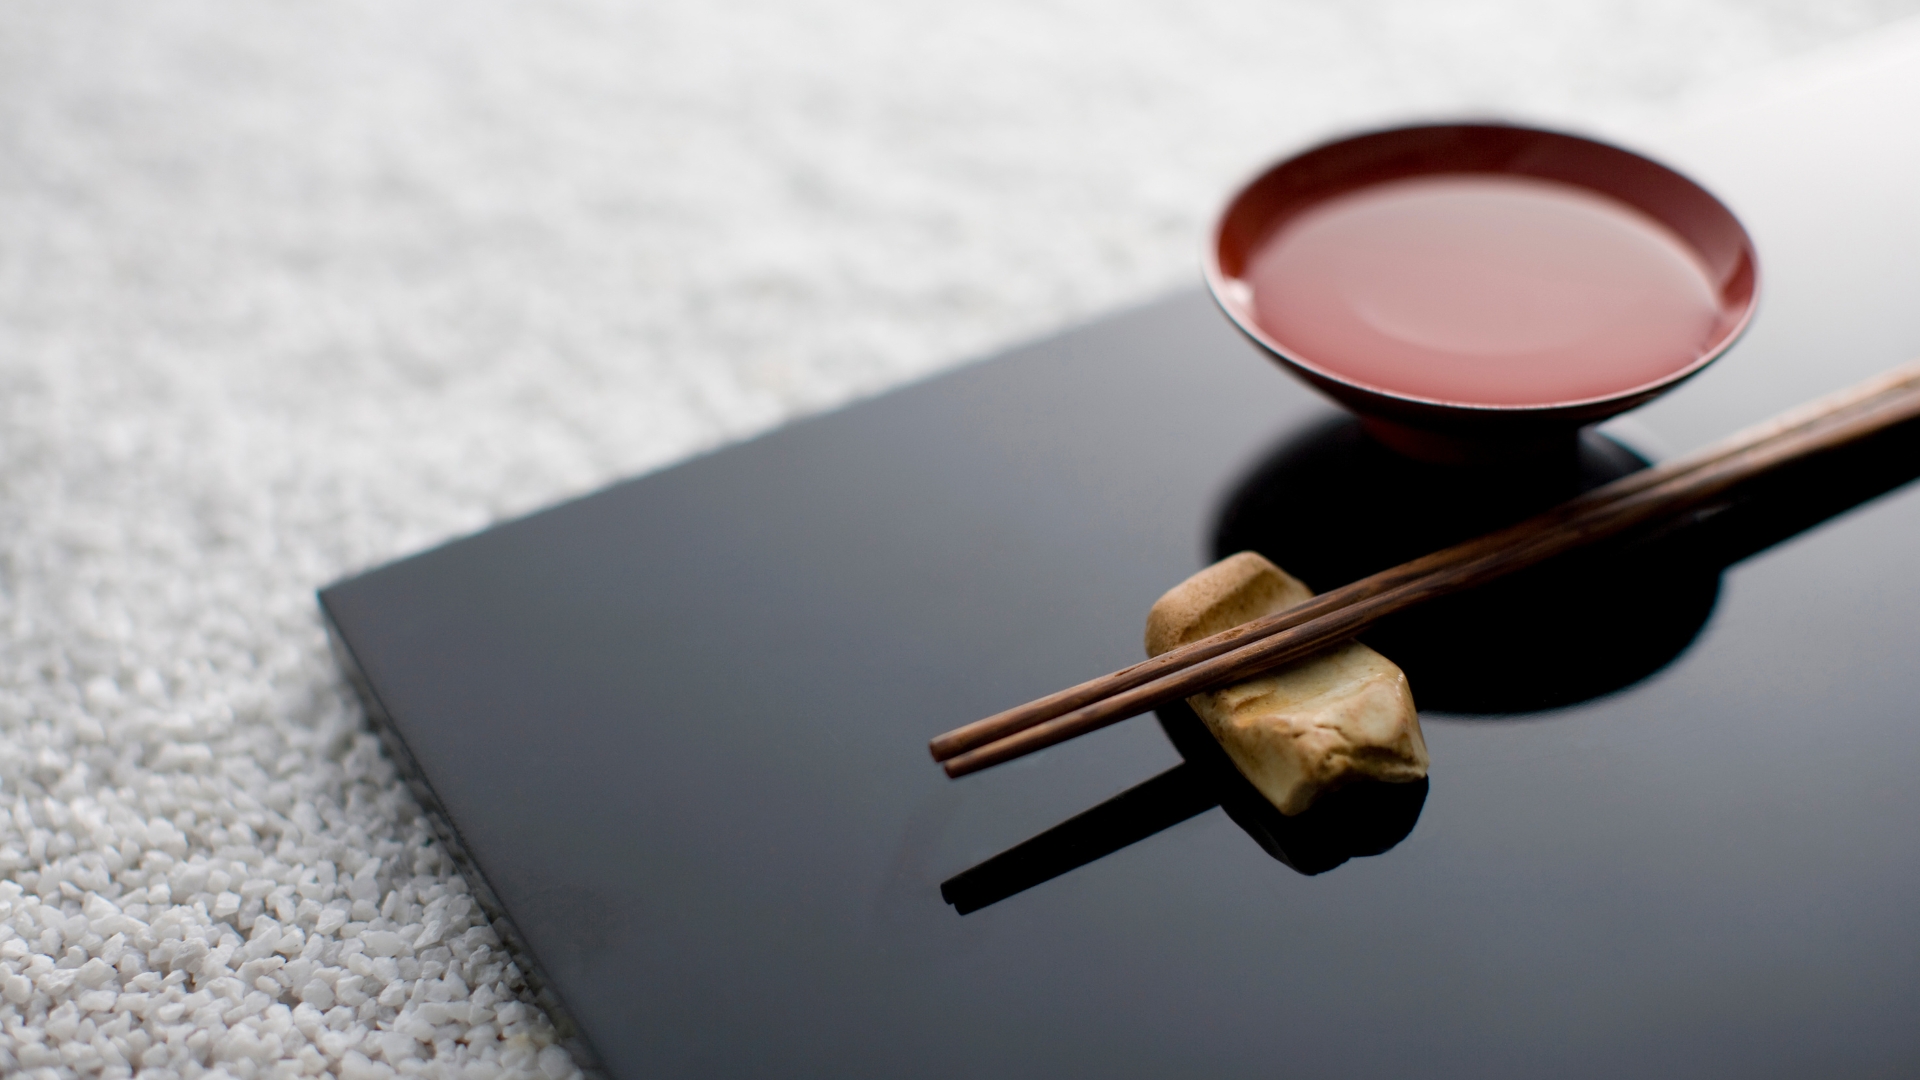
x=1262, y=645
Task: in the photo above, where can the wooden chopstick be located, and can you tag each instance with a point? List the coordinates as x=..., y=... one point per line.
x=1264, y=644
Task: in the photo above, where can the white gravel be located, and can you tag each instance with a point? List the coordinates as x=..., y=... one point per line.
x=288, y=290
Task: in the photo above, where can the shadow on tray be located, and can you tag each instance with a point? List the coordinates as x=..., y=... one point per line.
x=1360, y=819
x=1330, y=506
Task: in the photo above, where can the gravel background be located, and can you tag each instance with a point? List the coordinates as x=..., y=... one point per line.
x=289, y=290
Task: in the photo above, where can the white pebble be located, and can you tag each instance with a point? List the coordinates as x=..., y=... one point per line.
x=555, y=1064
x=383, y=942
x=317, y=994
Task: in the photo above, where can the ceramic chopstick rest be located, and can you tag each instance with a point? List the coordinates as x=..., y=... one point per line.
x=1342, y=715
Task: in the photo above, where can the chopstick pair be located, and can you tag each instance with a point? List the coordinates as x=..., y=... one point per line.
x=1245, y=651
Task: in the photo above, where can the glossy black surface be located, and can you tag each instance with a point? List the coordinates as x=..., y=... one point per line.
x=681, y=725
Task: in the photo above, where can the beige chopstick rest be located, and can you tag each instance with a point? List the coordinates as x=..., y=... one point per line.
x=1342, y=715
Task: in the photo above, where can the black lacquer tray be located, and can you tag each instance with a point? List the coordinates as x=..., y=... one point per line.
x=679, y=726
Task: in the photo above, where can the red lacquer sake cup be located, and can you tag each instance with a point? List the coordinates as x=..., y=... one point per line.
x=1297, y=263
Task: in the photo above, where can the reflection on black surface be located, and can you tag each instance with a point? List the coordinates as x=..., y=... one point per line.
x=1365, y=818
x=1790, y=501
x=1332, y=506
x=1362, y=819
x=1573, y=629
x=1581, y=626
x=1131, y=816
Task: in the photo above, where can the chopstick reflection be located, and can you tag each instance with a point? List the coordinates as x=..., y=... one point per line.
x=1362, y=819
x=1129, y=817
